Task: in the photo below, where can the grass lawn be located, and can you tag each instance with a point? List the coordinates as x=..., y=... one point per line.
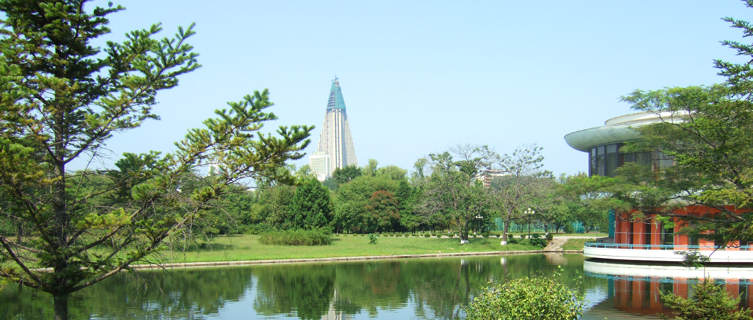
x=247, y=247
x=575, y=244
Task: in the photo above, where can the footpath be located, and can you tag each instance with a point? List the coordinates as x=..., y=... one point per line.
x=557, y=242
x=554, y=246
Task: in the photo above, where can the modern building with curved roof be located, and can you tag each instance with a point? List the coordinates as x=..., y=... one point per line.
x=644, y=238
x=603, y=143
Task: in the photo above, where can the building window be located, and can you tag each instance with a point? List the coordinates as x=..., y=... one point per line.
x=664, y=161
x=611, y=160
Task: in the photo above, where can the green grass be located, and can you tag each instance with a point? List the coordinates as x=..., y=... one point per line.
x=575, y=244
x=247, y=247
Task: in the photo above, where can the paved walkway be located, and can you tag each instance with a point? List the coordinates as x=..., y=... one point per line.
x=557, y=242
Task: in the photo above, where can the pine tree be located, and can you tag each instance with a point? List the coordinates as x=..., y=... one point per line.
x=61, y=99
x=311, y=205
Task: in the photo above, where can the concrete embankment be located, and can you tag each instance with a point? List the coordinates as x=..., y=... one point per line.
x=341, y=259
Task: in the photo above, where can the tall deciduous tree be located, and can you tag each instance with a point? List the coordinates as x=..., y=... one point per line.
x=346, y=174
x=384, y=210
x=352, y=201
x=61, y=99
x=521, y=183
x=452, y=191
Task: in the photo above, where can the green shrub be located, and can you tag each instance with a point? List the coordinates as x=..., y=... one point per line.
x=512, y=240
x=372, y=238
x=549, y=237
x=537, y=242
x=526, y=298
x=426, y=235
x=297, y=237
x=258, y=228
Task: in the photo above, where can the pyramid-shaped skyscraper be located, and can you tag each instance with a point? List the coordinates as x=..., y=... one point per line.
x=335, y=143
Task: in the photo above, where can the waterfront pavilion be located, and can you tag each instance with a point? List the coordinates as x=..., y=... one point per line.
x=644, y=238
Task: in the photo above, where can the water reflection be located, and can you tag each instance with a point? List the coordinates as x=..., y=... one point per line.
x=634, y=289
x=422, y=288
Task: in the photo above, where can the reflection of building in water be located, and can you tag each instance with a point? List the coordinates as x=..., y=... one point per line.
x=636, y=288
x=333, y=313
x=644, y=237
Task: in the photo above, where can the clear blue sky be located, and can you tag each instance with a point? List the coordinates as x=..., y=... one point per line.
x=422, y=76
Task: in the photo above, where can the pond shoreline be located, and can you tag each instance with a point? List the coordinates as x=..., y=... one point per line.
x=186, y=265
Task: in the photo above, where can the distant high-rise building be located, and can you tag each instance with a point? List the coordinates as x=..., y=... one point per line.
x=335, y=143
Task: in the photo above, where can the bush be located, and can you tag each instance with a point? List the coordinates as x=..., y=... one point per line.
x=526, y=298
x=297, y=237
x=537, y=242
x=549, y=237
x=372, y=238
x=512, y=240
x=258, y=228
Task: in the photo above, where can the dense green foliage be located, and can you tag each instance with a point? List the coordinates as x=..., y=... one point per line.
x=526, y=298
x=311, y=206
x=297, y=237
x=453, y=194
x=708, y=130
x=61, y=99
x=710, y=301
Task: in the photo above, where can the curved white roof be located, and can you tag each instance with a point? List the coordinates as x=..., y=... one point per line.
x=619, y=129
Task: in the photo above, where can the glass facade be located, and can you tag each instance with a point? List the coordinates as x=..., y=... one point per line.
x=604, y=160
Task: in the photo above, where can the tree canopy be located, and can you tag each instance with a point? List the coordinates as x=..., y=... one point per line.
x=62, y=98
x=708, y=130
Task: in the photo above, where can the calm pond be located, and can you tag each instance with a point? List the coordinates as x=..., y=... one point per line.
x=391, y=289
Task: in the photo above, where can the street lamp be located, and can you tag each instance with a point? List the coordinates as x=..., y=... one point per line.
x=529, y=213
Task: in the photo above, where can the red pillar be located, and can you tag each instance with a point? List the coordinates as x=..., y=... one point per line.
x=656, y=231
x=638, y=230
x=681, y=240
x=622, y=224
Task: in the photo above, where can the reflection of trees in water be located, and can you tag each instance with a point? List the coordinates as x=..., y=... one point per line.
x=26, y=303
x=138, y=295
x=437, y=288
x=370, y=285
x=305, y=289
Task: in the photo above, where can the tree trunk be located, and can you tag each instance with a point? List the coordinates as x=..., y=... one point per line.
x=19, y=233
x=505, y=230
x=61, y=306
